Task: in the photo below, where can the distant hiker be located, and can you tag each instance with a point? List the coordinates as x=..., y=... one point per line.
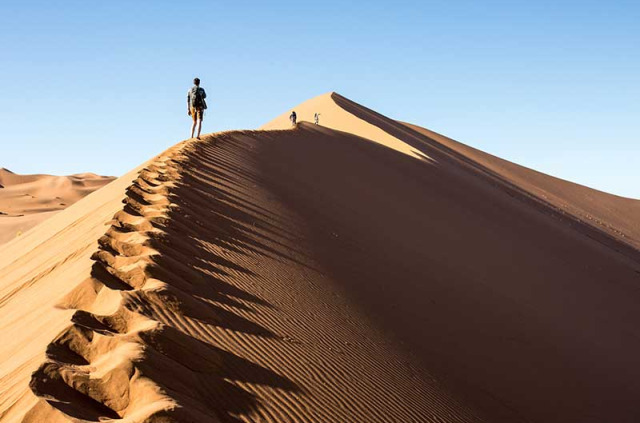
x=196, y=105
x=316, y=119
x=293, y=118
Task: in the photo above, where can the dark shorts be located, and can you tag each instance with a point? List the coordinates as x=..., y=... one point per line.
x=197, y=114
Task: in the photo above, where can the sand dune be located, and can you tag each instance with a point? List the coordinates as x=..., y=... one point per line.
x=611, y=216
x=26, y=200
x=617, y=216
x=358, y=271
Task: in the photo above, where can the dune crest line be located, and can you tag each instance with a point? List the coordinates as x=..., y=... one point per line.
x=98, y=367
x=316, y=274
x=173, y=323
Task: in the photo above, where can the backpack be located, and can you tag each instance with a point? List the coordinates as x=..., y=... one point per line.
x=197, y=99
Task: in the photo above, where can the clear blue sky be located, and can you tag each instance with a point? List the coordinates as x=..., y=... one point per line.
x=100, y=86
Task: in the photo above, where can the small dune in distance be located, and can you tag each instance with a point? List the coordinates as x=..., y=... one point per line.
x=359, y=270
x=26, y=200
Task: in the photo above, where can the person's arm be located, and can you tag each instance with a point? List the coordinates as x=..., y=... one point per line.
x=189, y=102
x=204, y=93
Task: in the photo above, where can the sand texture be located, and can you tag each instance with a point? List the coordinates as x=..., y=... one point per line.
x=26, y=200
x=363, y=270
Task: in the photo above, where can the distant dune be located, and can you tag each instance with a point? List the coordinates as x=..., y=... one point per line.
x=362, y=270
x=26, y=200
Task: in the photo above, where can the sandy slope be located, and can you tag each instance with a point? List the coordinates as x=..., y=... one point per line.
x=618, y=216
x=313, y=275
x=26, y=200
x=612, y=216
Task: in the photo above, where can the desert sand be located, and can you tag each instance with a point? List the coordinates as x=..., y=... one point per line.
x=363, y=270
x=26, y=200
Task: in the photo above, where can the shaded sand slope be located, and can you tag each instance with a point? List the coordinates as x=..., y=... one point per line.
x=520, y=314
x=26, y=200
x=616, y=215
x=615, y=220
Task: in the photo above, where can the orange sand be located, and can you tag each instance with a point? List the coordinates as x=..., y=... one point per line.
x=363, y=270
x=26, y=200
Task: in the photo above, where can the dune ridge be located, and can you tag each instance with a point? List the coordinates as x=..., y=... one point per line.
x=131, y=328
x=613, y=220
x=93, y=368
x=615, y=215
x=310, y=274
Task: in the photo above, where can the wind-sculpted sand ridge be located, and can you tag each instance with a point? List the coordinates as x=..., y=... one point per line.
x=610, y=219
x=156, y=334
x=315, y=275
x=607, y=218
x=103, y=366
x=618, y=217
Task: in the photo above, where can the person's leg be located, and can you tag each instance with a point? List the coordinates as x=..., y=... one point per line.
x=200, y=115
x=194, y=118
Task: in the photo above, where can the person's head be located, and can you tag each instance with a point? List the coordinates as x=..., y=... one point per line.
x=196, y=81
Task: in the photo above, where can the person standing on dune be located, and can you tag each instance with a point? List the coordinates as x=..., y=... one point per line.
x=196, y=105
x=293, y=118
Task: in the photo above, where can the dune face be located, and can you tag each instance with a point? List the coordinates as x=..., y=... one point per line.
x=611, y=216
x=362, y=270
x=617, y=216
x=26, y=200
